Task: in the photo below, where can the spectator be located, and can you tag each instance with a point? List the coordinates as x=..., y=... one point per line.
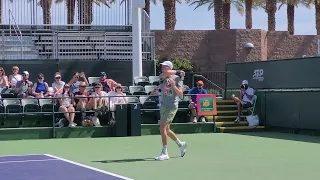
x=74, y=82
x=98, y=103
x=117, y=97
x=245, y=100
x=58, y=84
x=81, y=102
x=108, y=84
x=66, y=105
x=40, y=88
x=193, y=101
x=23, y=87
x=15, y=77
x=3, y=79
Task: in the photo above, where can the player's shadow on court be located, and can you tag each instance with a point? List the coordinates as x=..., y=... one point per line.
x=128, y=160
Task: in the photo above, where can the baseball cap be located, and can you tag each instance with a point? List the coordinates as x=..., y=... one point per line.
x=245, y=82
x=103, y=74
x=57, y=75
x=200, y=82
x=26, y=73
x=66, y=85
x=167, y=63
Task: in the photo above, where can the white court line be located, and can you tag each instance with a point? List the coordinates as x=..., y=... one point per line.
x=22, y=155
x=39, y=160
x=89, y=167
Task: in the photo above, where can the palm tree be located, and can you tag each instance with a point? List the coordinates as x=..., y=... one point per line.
x=169, y=7
x=227, y=8
x=71, y=7
x=147, y=6
x=221, y=10
x=271, y=8
x=317, y=13
x=249, y=5
x=291, y=4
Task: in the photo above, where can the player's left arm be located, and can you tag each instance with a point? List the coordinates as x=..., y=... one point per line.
x=249, y=93
x=177, y=86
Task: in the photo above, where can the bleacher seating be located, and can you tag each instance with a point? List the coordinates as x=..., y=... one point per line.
x=88, y=45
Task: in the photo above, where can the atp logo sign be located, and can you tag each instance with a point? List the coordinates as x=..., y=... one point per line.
x=258, y=75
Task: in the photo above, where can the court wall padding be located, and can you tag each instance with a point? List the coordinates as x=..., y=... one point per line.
x=288, y=91
x=275, y=74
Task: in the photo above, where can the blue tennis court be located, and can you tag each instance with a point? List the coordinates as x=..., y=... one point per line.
x=49, y=167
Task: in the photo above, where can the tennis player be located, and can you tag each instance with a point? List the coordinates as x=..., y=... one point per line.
x=171, y=89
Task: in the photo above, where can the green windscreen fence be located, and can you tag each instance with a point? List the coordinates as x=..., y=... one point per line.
x=275, y=74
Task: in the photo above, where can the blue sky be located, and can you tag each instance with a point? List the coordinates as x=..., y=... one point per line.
x=187, y=17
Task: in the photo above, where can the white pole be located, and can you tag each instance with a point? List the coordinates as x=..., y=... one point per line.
x=136, y=38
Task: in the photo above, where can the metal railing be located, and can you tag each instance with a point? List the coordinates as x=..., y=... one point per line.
x=17, y=31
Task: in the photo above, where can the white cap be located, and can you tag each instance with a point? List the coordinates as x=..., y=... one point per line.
x=167, y=63
x=245, y=82
x=57, y=75
x=26, y=73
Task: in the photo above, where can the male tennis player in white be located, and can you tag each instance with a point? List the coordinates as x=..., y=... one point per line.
x=171, y=89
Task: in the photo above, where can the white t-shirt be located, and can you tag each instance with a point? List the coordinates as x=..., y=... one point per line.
x=250, y=92
x=56, y=86
x=116, y=100
x=66, y=102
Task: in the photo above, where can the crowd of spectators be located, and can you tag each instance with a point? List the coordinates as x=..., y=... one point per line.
x=74, y=96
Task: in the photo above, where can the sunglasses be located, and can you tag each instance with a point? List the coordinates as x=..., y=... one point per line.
x=24, y=75
x=58, y=77
x=97, y=87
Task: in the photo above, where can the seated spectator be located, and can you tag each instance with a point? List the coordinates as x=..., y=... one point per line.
x=3, y=79
x=74, y=83
x=108, y=84
x=15, y=77
x=58, y=84
x=193, y=101
x=245, y=100
x=98, y=102
x=23, y=87
x=81, y=103
x=40, y=88
x=117, y=97
x=66, y=105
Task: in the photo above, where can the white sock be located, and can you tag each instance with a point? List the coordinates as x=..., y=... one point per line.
x=165, y=149
x=178, y=142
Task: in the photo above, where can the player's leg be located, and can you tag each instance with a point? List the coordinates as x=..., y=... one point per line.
x=163, y=132
x=182, y=145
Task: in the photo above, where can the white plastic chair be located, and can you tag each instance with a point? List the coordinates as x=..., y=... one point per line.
x=252, y=108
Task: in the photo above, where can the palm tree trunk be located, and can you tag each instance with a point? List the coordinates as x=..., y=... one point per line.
x=317, y=6
x=174, y=16
x=147, y=6
x=46, y=11
x=271, y=10
x=168, y=14
x=218, y=14
x=0, y=11
x=248, y=6
x=290, y=16
x=70, y=12
x=226, y=14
